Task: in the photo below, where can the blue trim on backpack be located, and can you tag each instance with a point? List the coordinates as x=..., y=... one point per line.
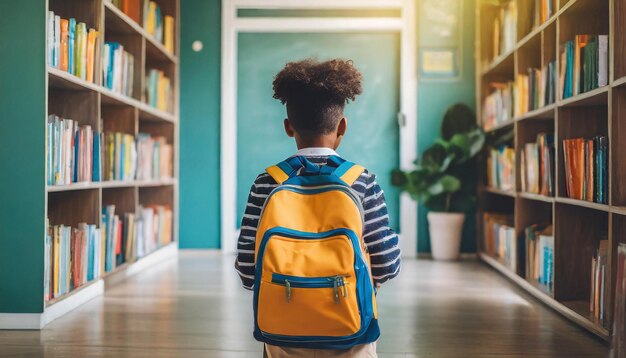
x=369, y=331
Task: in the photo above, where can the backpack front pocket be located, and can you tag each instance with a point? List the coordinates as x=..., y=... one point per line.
x=309, y=306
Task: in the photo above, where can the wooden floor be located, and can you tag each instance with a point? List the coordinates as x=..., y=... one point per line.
x=194, y=307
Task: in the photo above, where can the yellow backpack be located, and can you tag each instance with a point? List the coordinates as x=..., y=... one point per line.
x=313, y=286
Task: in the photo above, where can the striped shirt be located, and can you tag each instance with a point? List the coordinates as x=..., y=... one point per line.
x=381, y=241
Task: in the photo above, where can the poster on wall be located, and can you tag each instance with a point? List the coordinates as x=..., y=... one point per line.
x=440, y=39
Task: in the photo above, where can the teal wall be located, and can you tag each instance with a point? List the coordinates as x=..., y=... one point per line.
x=200, y=125
x=199, y=157
x=22, y=167
x=433, y=100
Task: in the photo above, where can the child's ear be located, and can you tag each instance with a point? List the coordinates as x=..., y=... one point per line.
x=342, y=127
x=288, y=128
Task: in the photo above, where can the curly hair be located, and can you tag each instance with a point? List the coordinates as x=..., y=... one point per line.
x=316, y=93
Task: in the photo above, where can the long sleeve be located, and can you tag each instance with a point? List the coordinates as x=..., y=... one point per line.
x=381, y=241
x=244, y=263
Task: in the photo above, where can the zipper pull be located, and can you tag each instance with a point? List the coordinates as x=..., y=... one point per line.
x=345, y=288
x=288, y=290
x=336, y=288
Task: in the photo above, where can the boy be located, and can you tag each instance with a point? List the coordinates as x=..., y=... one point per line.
x=315, y=94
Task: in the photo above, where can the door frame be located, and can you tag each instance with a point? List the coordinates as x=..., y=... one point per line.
x=407, y=117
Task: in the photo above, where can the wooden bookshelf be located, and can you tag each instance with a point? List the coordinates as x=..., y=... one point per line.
x=108, y=111
x=601, y=111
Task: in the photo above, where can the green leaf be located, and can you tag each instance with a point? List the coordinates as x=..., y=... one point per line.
x=445, y=184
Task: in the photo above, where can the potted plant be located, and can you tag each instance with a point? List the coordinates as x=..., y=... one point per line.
x=445, y=180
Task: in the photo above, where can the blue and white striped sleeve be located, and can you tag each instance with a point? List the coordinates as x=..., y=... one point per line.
x=244, y=264
x=380, y=239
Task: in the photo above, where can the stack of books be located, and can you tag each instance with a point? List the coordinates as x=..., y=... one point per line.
x=498, y=106
x=120, y=156
x=155, y=158
x=117, y=69
x=584, y=64
x=586, y=168
x=535, y=89
x=540, y=255
x=544, y=9
x=73, y=257
x=599, y=272
x=71, y=47
x=134, y=235
x=505, y=29
x=501, y=168
x=132, y=8
x=500, y=239
x=158, y=25
x=619, y=314
x=159, y=90
x=537, y=163
x=72, y=152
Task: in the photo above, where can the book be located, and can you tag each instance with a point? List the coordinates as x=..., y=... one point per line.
x=70, y=254
x=586, y=168
x=546, y=258
x=50, y=55
x=154, y=158
x=118, y=69
x=63, y=63
x=57, y=41
x=500, y=239
x=498, y=105
x=120, y=156
x=159, y=90
x=501, y=168
x=545, y=142
x=168, y=33
x=531, y=172
x=132, y=8
x=599, y=264
x=585, y=66
x=92, y=36
x=619, y=312
x=71, y=45
x=70, y=154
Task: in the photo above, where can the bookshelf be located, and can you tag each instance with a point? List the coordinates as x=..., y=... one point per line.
x=92, y=103
x=598, y=112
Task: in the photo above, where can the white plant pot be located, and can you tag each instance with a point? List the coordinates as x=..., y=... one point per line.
x=445, y=235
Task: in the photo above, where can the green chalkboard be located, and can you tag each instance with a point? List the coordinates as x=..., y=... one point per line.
x=372, y=138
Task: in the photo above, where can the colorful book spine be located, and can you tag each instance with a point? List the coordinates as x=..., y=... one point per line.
x=71, y=46
x=586, y=168
x=159, y=90
x=168, y=33
x=118, y=69
x=154, y=158
x=69, y=258
x=71, y=155
x=501, y=168
x=120, y=156
x=585, y=64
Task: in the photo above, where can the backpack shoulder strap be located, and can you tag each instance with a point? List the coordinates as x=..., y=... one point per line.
x=349, y=172
x=281, y=171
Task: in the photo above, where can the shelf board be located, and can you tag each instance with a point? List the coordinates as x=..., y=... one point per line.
x=65, y=80
x=500, y=64
x=107, y=184
x=619, y=82
x=73, y=186
x=547, y=299
x=536, y=197
x=582, y=309
x=597, y=96
x=546, y=112
x=117, y=184
x=153, y=183
x=122, y=23
x=500, y=191
x=583, y=203
x=501, y=125
x=620, y=210
x=69, y=294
